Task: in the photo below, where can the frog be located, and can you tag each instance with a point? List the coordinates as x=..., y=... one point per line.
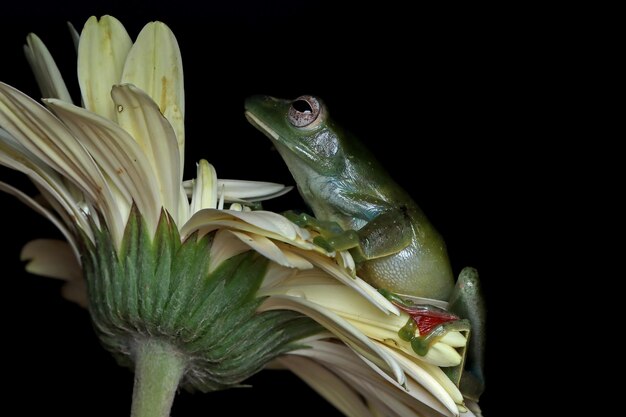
x=342, y=182
x=357, y=206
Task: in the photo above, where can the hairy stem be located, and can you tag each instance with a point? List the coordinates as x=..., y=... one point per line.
x=158, y=370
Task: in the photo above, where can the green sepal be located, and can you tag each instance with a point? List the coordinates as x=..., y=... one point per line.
x=158, y=287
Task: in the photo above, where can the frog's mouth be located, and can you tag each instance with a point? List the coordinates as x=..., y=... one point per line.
x=259, y=124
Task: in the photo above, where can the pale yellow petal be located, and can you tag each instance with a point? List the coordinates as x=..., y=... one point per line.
x=268, y=249
x=74, y=34
x=102, y=51
x=376, y=386
x=235, y=190
x=76, y=292
x=333, y=388
x=120, y=157
x=343, y=276
x=341, y=329
x=30, y=202
x=13, y=155
x=51, y=258
x=422, y=373
x=139, y=115
x=154, y=65
x=204, y=188
x=262, y=222
x=343, y=300
x=37, y=130
x=225, y=246
x=45, y=69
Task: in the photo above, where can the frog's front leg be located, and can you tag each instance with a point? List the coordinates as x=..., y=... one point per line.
x=384, y=235
x=467, y=302
x=331, y=236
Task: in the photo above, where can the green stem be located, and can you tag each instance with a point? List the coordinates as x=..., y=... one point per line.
x=158, y=370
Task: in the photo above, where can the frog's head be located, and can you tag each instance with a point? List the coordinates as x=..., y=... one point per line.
x=300, y=129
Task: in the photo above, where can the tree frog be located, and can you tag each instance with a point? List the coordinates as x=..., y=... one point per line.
x=397, y=248
x=357, y=206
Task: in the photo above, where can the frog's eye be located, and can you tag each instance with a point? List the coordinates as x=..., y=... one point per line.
x=304, y=110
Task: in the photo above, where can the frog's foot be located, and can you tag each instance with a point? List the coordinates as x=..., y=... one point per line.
x=331, y=236
x=467, y=301
x=427, y=324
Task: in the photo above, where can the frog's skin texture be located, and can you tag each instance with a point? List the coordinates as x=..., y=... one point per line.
x=397, y=249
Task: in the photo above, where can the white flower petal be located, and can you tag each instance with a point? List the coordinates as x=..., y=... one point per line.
x=64, y=195
x=339, y=273
x=75, y=35
x=102, y=51
x=448, y=394
x=76, y=291
x=154, y=65
x=225, y=246
x=268, y=249
x=37, y=130
x=252, y=190
x=340, y=328
x=262, y=222
x=139, y=115
x=204, y=187
x=51, y=258
x=270, y=221
x=39, y=209
x=45, y=69
x=322, y=289
x=276, y=274
x=422, y=300
x=373, y=384
x=122, y=161
x=333, y=388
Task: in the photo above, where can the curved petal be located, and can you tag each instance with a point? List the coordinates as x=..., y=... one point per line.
x=330, y=386
x=39, y=209
x=55, y=259
x=268, y=249
x=119, y=157
x=242, y=191
x=340, y=273
x=139, y=115
x=37, y=130
x=45, y=69
x=51, y=258
x=154, y=65
x=262, y=222
x=204, y=187
x=239, y=190
x=341, y=329
x=432, y=379
x=65, y=197
x=76, y=292
x=102, y=52
x=376, y=387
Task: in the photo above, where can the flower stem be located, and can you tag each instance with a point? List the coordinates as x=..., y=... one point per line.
x=158, y=370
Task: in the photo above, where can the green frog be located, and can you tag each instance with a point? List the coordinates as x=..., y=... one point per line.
x=359, y=207
x=341, y=181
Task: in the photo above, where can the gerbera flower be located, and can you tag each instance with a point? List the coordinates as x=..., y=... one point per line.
x=179, y=287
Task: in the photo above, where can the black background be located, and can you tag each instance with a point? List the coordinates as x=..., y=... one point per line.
x=437, y=95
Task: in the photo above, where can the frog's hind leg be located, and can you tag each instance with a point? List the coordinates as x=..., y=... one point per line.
x=467, y=302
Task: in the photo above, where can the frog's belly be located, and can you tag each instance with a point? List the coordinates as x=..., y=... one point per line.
x=415, y=270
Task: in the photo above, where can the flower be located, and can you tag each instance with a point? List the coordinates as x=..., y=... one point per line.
x=180, y=288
